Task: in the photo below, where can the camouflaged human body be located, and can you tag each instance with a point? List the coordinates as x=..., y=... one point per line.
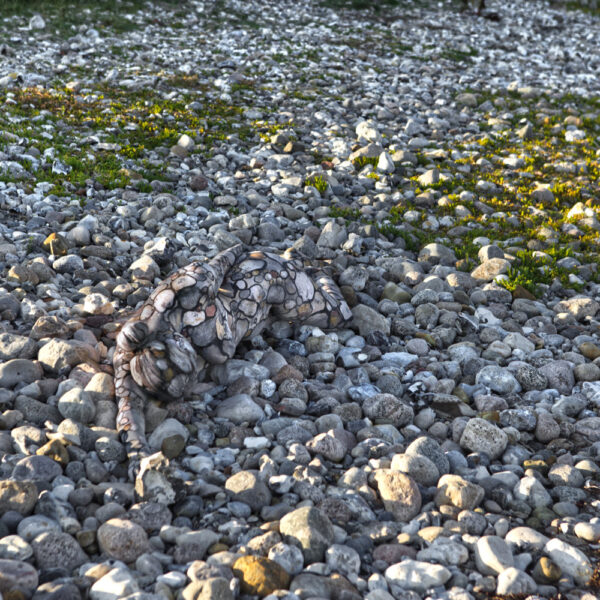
x=199, y=315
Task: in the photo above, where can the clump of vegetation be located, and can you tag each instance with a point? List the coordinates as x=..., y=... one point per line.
x=532, y=272
x=318, y=182
x=345, y=212
x=456, y=55
x=135, y=127
x=363, y=161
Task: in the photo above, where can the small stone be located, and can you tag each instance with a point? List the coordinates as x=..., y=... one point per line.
x=48, y=326
x=415, y=575
x=457, y=491
x=343, y=559
x=566, y=475
x=590, y=532
x=55, y=450
x=310, y=529
x=579, y=307
x=14, y=547
x=55, y=549
x=329, y=446
x=98, y=304
x=416, y=466
x=193, y=545
x=400, y=494
x=212, y=588
x=57, y=354
x=546, y=571
x=122, y=539
x=560, y=375
x=387, y=408
x=571, y=561
x=37, y=22
x=367, y=320
x=17, y=575
x=55, y=244
x=16, y=346
x=172, y=435
x=36, y=468
x=19, y=496
x=492, y=555
x=589, y=350
x=240, y=409
x=490, y=269
x=259, y=575
x=497, y=379
x=117, y=583
x=546, y=429
x=77, y=404
x=482, y=436
x=532, y=491
x=19, y=370
x=247, y=487
x=525, y=539
x=587, y=372
x=515, y=581
x=445, y=552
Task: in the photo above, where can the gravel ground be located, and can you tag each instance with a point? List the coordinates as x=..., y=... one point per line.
x=442, y=166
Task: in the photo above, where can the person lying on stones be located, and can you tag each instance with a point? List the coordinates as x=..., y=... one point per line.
x=198, y=316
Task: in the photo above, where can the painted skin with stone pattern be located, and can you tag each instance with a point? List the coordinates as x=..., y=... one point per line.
x=199, y=315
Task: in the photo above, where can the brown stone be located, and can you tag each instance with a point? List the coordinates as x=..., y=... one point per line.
x=49, y=326
x=589, y=350
x=288, y=372
x=393, y=553
x=260, y=576
x=55, y=450
x=521, y=292
x=198, y=183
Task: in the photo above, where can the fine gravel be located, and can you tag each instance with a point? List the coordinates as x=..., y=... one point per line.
x=441, y=166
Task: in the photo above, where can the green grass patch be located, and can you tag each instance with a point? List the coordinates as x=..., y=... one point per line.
x=363, y=161
x=318, y=182
x=139, y=122
x=63, y=17
x=533, y=272
x=344, y=212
